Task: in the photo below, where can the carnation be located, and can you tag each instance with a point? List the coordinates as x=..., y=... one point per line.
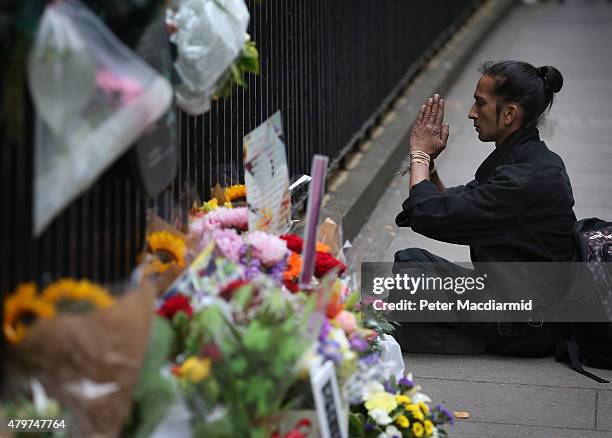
x=175, y=304
x=267, y=248
x=229, y=242
x=294, y=242
x=325, y=262
x=237, y=218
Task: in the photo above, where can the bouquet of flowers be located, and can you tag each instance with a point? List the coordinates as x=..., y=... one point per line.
x=236, y=360
x=71, y=338
x=396, y=410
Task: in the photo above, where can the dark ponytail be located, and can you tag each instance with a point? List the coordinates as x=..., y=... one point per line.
x=532, y=88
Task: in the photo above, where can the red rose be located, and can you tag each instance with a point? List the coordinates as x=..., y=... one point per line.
x=211, y=350
x=294, y=243
x=325, y=262
x=175, y=304
x=228, y=291
x=291, y=285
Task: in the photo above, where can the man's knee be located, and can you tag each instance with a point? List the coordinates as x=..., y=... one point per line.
x=412, y=255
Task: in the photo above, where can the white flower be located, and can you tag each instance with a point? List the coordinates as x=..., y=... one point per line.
x=338, y=335
x=380, y=416
x=309, y=359
x=420, y=397
x=391, y=432
x=371, y=388
x=349, y=356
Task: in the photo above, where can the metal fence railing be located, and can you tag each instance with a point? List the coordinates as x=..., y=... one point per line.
x=328, y=66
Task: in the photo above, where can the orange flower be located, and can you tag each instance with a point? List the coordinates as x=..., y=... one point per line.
x=294, y=266
x=323, y=247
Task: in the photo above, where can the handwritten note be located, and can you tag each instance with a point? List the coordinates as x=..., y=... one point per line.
x=267, y=178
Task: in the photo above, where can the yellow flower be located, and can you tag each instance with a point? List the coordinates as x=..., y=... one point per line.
x=70, y=290
x=381, y=400
x=402, y=399
x=402, y=421
x=195, y=369
x=20, y=307
x=166, y=246
x=235, y=192
x=415, y=411
x=424, y=408
x=209, y=206
x=417, y=430
x=428, y=427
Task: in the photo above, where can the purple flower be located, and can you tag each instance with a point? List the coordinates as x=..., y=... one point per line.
x=325, y=329
x=278, y=270
x=389, y=387
x=252, y=265
x=358, y=343
x=369, y=427
x=370, y=359
x=443, y=415
x=330, y=350
x=406, y=382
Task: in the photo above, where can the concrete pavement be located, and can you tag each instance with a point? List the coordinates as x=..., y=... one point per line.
x=521, y=397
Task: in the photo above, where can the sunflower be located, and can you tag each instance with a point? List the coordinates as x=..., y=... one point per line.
x=21, y=309
x=168, y=248
x=70, y=295
x=235, y=192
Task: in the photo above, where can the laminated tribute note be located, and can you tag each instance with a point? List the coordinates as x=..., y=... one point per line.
x=267, y=178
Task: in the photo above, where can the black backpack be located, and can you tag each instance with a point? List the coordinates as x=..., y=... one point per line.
x=591, y=343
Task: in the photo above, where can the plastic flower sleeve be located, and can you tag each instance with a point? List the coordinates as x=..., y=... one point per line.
x=93, y=98
x=209, y=36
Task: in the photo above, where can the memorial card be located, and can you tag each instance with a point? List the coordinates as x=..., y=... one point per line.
x=267, y=178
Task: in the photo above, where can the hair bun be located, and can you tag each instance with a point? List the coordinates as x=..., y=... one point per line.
x=552, y=76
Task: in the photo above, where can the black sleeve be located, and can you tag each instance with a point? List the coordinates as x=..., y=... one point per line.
x=482, y=215
x=460, y=189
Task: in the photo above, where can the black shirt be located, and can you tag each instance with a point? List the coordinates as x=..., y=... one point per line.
x=518, y=207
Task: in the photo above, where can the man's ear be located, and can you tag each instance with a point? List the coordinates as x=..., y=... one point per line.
x=511, y=114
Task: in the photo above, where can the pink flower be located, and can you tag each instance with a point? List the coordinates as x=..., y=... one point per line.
x=267, y=248
x=229, y=242
x=237, y=218
x=347, y=321
x=113, y=84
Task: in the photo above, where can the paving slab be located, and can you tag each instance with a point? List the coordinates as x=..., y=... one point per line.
x=544, y=372
x=472, y=429
x=604, y=411
x=571, y=408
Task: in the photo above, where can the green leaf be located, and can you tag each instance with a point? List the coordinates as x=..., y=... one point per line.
x=350, y=302
x=238, y=365
x=250, y=64
x=257, y=337
x=153, y=394
x=237, y=74
x=242, y=297
x=258, y=392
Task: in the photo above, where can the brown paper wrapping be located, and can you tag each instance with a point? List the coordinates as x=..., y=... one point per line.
x=330, y=234
x=101, y=350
